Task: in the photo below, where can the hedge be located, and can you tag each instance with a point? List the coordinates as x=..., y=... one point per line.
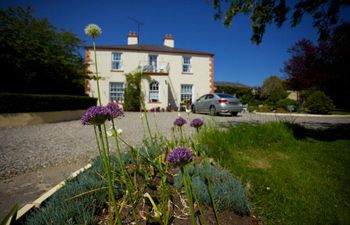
x=14, y=103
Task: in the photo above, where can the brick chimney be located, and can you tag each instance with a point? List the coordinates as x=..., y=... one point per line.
x=169, y=40
x=133, y=38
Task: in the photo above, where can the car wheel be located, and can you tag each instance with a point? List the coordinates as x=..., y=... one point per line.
x=234, y=113
x=193, y=109
x=212, y=111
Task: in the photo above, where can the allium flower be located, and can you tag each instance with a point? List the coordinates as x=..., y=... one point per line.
x=180, y=121
x=197, y=123
x=115, y=110
x=95, y=115
x=180, y=156
x=93, y=30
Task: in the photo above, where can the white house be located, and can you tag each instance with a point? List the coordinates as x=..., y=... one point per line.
x=175, y=75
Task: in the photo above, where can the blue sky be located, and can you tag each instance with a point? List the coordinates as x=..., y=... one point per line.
x=192, y=25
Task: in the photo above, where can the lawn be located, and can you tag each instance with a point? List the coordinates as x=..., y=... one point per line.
x=292, y=175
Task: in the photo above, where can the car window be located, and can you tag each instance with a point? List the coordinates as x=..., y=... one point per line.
x=225, y=96
x=201, y=98
x=210, y=96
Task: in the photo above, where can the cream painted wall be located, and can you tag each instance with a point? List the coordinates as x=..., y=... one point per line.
x=199, y=76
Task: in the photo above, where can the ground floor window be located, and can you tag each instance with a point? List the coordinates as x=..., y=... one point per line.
x=116, y=91
x=186, y=93
x=154, y=91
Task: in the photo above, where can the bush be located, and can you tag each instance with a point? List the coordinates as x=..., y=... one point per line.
x=133, y=94
x=286, y=103
x=13, y=103
x=227, y=190
x=318, y=102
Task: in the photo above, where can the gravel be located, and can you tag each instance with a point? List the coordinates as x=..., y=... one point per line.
x=28, y=148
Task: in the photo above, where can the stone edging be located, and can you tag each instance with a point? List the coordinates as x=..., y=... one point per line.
x=36, y=203
x=302, y=115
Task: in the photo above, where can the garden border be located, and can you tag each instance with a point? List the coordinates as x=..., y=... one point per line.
x=37, y=202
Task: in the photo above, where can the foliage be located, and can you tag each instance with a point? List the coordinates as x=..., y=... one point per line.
x=322, y=66
x=37, y=57
x=227, y=190
x=286, y=103
x=10, y=217
x=262, y=13
x=273, y=90
x=77, y=201
x=13, y=103
x=133, y=97
x=318, y=102
x=289, y=171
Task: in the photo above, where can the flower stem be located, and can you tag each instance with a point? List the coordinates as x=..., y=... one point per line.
x=97, y=76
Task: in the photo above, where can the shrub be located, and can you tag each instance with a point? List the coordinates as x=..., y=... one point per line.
x=13, y=102
x=286, y=103
x=318, y=102
x=227, y=190
x=133, y=95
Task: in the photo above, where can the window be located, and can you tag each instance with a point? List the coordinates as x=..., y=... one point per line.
x=116, y=91
x=154, y=91
x=186, y=66
x=153, y=62
x=186, y=93
x=116, y=60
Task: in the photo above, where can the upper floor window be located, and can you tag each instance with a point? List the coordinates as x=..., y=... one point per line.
x=116, y=60
x=116, y=91
x=186, y=66
x=154, y=91
x=153, y=62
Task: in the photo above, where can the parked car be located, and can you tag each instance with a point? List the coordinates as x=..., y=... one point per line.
x=217, y=103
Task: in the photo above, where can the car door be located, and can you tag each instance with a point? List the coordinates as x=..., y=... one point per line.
x=207, y=103
x=199, y=104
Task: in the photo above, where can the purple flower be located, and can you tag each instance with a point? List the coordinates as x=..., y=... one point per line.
x=95, y=115
x=115, y=110
x=197, y=123
x=180, y=156
x=180, y=121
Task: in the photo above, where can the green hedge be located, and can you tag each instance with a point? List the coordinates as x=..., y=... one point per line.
x=13, y=102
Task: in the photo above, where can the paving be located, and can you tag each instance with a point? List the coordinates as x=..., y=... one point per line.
x=34, y=158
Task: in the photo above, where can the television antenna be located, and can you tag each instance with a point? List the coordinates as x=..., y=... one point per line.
x=139, y=24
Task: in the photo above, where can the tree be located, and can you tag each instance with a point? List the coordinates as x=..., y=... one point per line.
x=37, y=57
x=265, y=12
x=323, y=67
x=273, y=90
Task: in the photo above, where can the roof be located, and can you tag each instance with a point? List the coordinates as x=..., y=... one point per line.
x=150, y=48
x=229, y=84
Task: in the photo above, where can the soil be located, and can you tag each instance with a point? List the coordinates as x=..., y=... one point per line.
x=179, y=209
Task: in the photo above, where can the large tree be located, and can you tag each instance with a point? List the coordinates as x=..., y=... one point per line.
x=265, y=12
x=324, y=66
x=37, y=57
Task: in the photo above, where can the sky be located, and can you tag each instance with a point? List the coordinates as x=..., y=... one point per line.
x=236, y=58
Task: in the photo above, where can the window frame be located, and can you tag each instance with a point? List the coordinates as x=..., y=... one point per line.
x=187, y=64
x=184, y=95
x=153, y=90
x=117, y=92
x=116, y=61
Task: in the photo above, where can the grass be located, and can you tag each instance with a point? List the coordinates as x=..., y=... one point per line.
x=292, y=175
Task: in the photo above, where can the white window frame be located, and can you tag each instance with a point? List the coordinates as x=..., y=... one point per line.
x=117, y=61
x=186, y=64
x=185, y=94
x=154, y=65
x=117, y=93
x=154, y=91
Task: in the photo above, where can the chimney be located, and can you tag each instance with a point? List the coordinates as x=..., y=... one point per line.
x=133, y=39
x=169, y=40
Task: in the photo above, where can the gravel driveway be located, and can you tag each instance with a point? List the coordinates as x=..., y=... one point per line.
x=54, y=150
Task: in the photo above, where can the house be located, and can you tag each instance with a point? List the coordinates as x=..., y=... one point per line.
x=174, y=75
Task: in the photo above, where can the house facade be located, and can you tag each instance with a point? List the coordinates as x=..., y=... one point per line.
x=173, y=75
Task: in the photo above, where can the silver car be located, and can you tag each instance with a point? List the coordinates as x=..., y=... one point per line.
x=217, y=103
